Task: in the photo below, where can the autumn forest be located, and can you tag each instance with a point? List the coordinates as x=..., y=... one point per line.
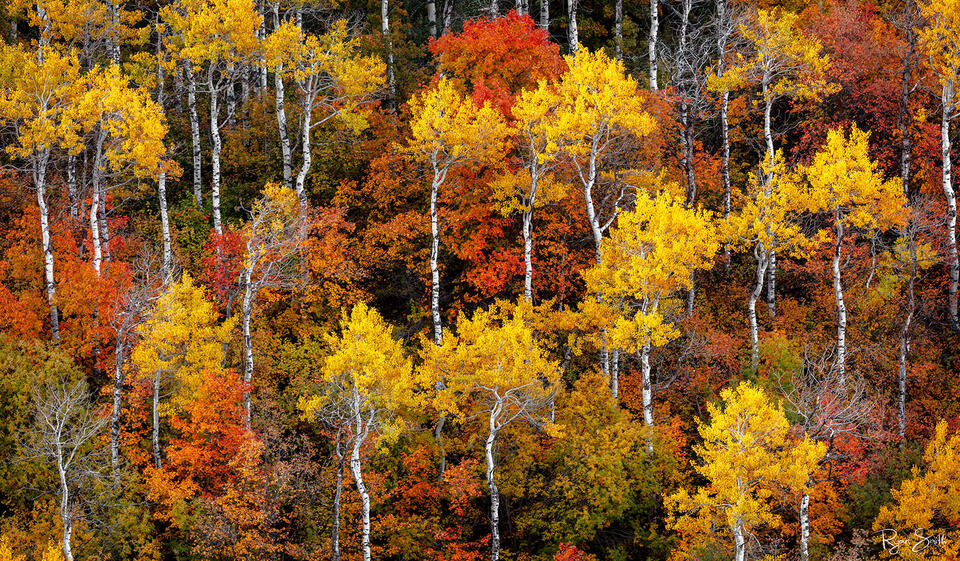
x=458, y=280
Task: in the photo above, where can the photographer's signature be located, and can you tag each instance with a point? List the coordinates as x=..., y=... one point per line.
x=919, y=541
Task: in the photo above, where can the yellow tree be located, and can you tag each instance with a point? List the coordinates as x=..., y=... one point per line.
x=926, y=507
x=784, y=63
x=940, y=41
x=648, y=258
x=495, y=369
x=180, y=340
x=36, y=108
x=217, y=38
x=768, y=223
x=746, y=458
x=600, y=109
x=127, y=130
x=845, y=182
x=368, y=377
x=333, y=79
x=449, y=131
x=534, y=112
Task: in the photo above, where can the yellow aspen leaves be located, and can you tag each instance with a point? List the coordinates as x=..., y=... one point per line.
x=747, y=458
x=784, y=61
x=329, y=70
x=366, y=374
x=927, y=503
x=597, y=102
x=647, y=258
x=492, y=358
x=181, y=338
x=846, y=182
x=449, y=130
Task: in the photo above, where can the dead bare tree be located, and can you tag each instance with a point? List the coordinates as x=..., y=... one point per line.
x=66, y=425
x=274, y=246
x=831, y=406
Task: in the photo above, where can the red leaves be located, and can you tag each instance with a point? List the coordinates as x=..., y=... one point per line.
x=494, y=60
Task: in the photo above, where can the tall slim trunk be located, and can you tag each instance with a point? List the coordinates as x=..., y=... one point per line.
x=492, y=484
x=40, y=182
x=434, y=268
x=338, y=491
x=118, y=362
x=305, y=149
x=216, y=145
x=904, y=343
x=194, y=136
x=904, y=117
x=113, y=44
x=528, y=232
x=772, y=284
x=953, y=265
x=805, y=527
x=104, y=223
x=494, y=10
x=72, y=191
x=97, y=181
x=355, y=468
x=385, y=29
x=282, y=112
x=66, y=510
x=545, y=14
x=573, y=35
x=618, y=29
x=595, y=228
x=432, y=17
x=165, y=226
x=647, y=394
x=652, y=42
x=722, y=36
x=760, y=253
x=247, y=315
x=155, y=417
x=841, y=305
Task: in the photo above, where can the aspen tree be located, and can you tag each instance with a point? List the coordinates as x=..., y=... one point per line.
x=845, y=182
x=747, y=456
x=648, y=258
x=495, y=368
x=370, y=376
x=940, y=42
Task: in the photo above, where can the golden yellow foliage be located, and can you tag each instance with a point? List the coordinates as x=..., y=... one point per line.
x=746, y=458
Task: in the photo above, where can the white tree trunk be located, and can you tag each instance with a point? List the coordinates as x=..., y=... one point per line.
x=155, y=418
x=652, y=42
x=355, y=468
x=618, y=29
x=305, y=152
x=338, y=491
x=40, y=182
x=66, y=510
x=953, y=265
x=118, y=377
x=760, y=253
x=247, y=316
x=165, y=226
x=492, y=484
x=385, y=29
x=216, y=146
x=647, y=394
x=432, y=17
x=279, y=91
x=904, y=344
x=434, y=267
x=739, y=542
x=772, y=284
x=841, y=305
x=194, y=136
x=545, y=14
x=805, y=527
x=573, y=34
